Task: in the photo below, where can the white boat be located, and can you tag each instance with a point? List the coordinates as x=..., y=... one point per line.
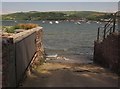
x=88, y=22
x=51, y=22
x=67, y=20
x=97, y=22
x=56, y=22
x=78, y=23
x=15, y=21
x=43, y=21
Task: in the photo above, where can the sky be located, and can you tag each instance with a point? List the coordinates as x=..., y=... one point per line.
x=60, y=0
x=11, y=7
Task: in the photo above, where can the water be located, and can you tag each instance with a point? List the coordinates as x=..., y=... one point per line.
x=66, y=38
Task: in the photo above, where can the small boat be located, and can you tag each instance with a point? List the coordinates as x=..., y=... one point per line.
x=15, y=21
x=56, y=22
x=43, y=21
x=97, y=22
x=51, y=22
x=88, y=22
x=78, y=23
x=67, y=20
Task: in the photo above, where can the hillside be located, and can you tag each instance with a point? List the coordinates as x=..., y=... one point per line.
x=58, y=15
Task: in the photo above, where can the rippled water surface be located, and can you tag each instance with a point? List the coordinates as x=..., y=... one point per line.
x=66, y=38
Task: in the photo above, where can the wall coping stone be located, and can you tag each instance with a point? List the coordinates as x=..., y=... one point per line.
x=19, y=36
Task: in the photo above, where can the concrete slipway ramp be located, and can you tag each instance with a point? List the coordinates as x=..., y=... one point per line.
x=69, y=72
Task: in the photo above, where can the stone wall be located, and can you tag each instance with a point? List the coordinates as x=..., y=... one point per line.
x=19, y=53
x=107, y=52
x=39, y=55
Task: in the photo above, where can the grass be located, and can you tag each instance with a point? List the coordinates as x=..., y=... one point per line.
x=11, y=29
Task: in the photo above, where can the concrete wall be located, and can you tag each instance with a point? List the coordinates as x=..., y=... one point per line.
x=107, y=53
x=20, y=52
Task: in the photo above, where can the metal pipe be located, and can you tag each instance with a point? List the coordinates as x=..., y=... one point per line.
x=98, y=34
x=114, y=22
x=104, y=34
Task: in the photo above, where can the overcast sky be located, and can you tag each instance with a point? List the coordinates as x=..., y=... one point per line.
x=11, y=7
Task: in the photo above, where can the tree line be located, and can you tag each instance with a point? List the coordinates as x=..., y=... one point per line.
x=63, y=15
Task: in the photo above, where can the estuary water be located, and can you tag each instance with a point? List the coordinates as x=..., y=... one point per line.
x=66, y=38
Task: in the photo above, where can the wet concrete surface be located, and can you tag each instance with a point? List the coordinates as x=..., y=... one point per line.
x=54, y=73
